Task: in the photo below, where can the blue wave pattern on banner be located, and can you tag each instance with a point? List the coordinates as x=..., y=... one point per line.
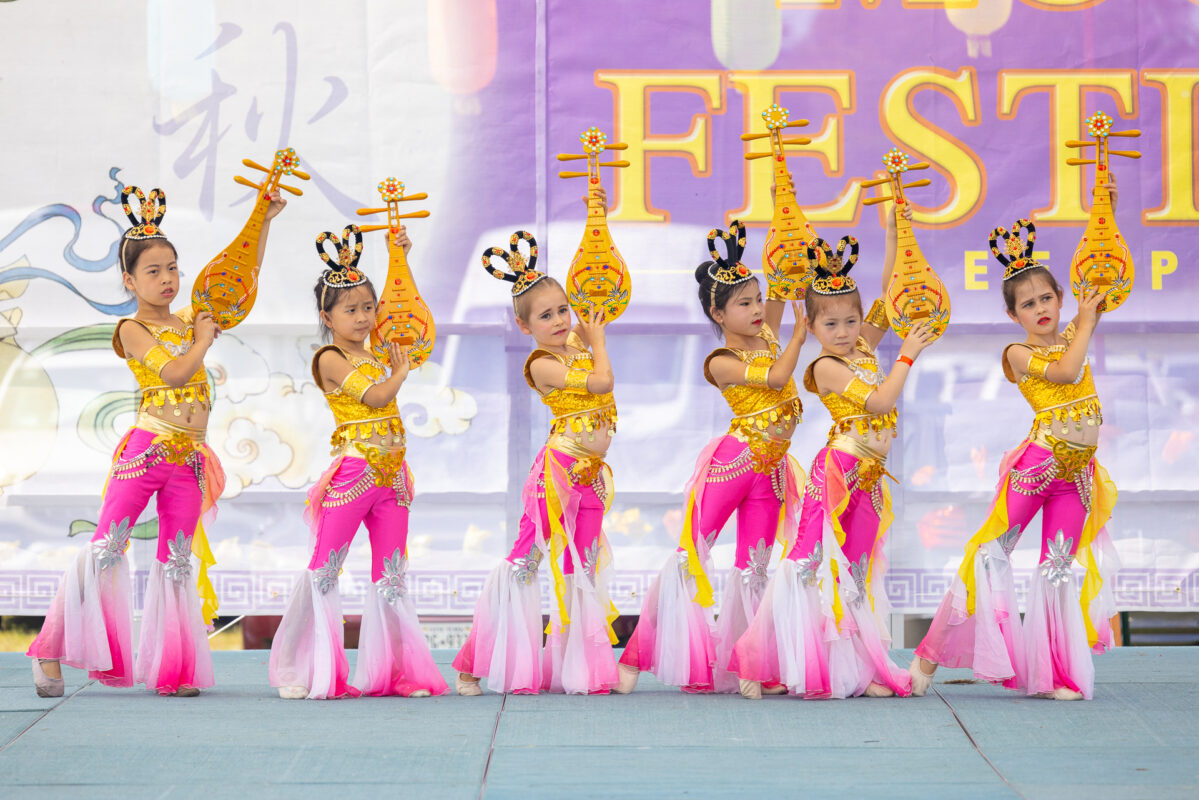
x=109, y=260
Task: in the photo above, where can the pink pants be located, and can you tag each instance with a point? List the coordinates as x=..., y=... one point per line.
x=93, y=599
x=385, y=517
x=505, y=642
x=589, y=523
x=856, y=651
x=1047, y=651
x=859, y=520
x=731, y=485
x=309, y=647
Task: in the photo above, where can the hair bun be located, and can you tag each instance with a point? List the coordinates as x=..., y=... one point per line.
x=701, y=273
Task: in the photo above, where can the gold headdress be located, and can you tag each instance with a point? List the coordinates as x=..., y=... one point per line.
x=728, y=270
x=523, y=276
x=345, y=273
x=152, y=210
x=831, y=277
x=147, y=226
x=1017, y=255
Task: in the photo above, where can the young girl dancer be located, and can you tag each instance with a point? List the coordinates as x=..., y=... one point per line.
x=89, y=623
x=821, y=630
x=746, y=470
x=368, y=482
x=565, y=497
x=1053, y=471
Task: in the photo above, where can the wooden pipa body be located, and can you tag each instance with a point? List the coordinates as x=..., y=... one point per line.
x=228, y=285
x=403, y=316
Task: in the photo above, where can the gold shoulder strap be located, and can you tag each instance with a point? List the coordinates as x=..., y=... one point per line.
x=719, y=351
x=536, y=354
x=809, y=377
x=119, y=348
x=1007, y=366
x=316, y=357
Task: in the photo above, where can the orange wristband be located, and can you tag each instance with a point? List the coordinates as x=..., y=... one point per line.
x=904, y=359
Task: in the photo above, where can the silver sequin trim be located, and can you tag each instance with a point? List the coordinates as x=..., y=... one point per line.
x=1033, y=480
x=591, y=559
x=754, y=576
x=876, y=497
x=325, y=578
x=778, y=480
x=178, y=566
x=1085, y=482
x=394, y=582
x=720, y=473
x=858, y=572
x=1056, y=566
x=524, y=570
x=1006, y=541
x=111, y=549
x=810, y=566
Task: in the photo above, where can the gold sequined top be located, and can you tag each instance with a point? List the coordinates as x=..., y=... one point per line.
x=848, y=407
x=356, y=421
x=1061, y=402
x=170, y=343
x=756, y=407
x=575, y=409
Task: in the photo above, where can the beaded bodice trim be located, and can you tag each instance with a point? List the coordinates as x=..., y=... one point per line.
x=756, y=409
x=156, y=395
x=356, y=421
x=575, y=410
x=848, y=412
x=1051, y=402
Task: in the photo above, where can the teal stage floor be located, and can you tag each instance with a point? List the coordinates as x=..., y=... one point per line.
x=1138, y=738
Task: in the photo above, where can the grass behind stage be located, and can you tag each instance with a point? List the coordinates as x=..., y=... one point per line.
x=1138, y=738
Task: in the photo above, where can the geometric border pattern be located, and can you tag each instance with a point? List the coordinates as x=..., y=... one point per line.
x=910, y=591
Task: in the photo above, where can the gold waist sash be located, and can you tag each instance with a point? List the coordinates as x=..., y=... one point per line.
x=1072, y=458
x=159, y=426
x=766, y=451
x=856, y=448
x=588, y=464
x=387, y=462
x=364, y=449
x=872, y=465
x=568, y=446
